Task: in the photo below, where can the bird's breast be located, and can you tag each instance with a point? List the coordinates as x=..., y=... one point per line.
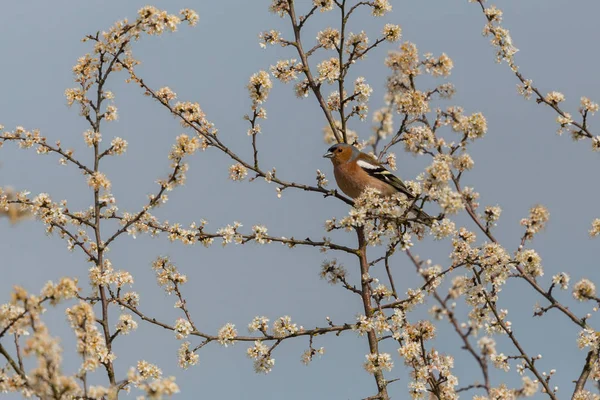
x=353, y=180
x=347, y=182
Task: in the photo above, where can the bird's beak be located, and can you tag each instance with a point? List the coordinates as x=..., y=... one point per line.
x=328, y=155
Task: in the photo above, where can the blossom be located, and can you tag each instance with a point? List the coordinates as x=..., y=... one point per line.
x=160, y=388
x=501, y=392
x=596, y=143
x=595, y=231
x=99, y=181
x=121, y=278
x=392, y=33
x=418, y=138
x=111, y=113
x=357, y=43
x=229, y=234
x=227, y=334
x=496, y=261
x=254, y=130
x=155, y=21
x=380, y=7
x=92, y=138
x=259, y=324
x=184, y=146
x=487, y=346
x=474, y=126
x=97, y=392
x=321, y=179
x=422, y=330
x=438, y=67
x=237, y=172
x=442, y=229
x=308, y=355
x=324, y=5
x=269, y=37
x=64, y=290
x=555, y=97
x=329, y=38
x=363, y=325
x=584, y=290
x=492, y=214
x=494, y=13
x=562, y=280
x=390, y=160
x=167, y=275
x=286, y=70
x=440, y=170
x=538, y=217
x=283, y=327
x=381, y=292
x=302, y=88
x=459, y=286
x=377, y=362
x=333, y=272
x=90, y=342
x=446, y=90
x=588, y=106
x=588, y=338
x=526, y=89
x=74, y=95
x=405, y=61
x=329, y=70
x=260, y=234
x=329, y=137
x=563, y=120
x=182, y=328
x=531, y=262
x=279, y=7
x=584, y=395
x=412, y=102
x=530, y=387
x=259, y=86
x=501, y=39
x=191, y=113
x=500, y=361
x=131, y=298
x=126, y=324
x=118, y=146
x=334, y=100
x=190, y=16
x=380, y=324
x=187, y=357
x=383, y=118
x=362, y=90
x=165, y=94
x=258, y=350
x=263, y=363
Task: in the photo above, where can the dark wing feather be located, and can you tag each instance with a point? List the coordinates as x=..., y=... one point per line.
x=376, y=170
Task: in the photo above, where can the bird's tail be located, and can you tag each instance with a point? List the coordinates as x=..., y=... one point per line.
x=421, y=216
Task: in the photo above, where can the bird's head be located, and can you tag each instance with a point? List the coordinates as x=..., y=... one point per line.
x=341, y=153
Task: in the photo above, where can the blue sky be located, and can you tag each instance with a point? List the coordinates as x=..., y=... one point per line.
x=520, y=162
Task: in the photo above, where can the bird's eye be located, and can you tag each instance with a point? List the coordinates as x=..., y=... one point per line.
x=339, y=150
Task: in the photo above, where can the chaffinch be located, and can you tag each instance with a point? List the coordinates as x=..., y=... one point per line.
x=355, y=171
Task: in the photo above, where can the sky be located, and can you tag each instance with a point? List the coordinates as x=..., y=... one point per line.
x=521, y=162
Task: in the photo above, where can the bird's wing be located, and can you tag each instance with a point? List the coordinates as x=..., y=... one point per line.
x=376, y=170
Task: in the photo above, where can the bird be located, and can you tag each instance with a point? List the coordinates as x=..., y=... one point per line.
x=356, y=171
